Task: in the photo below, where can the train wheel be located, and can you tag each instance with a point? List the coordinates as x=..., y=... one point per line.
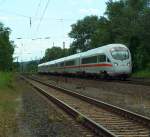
x=104, y=75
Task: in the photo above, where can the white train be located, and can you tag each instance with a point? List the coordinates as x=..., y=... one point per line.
x=109, y=60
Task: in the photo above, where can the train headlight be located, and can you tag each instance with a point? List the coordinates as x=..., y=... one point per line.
x=128, y=64
x=116, y=64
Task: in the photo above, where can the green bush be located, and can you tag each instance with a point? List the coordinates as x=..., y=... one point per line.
x=142, y=73
x=5, y=79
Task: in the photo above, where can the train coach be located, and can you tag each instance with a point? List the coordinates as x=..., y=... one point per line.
x=112, y=60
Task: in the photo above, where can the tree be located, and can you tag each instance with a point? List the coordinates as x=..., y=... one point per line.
x=6, y=49
x=126, y=18
x=54, y=53
x=103, y=35
x=144, y=35
x=125, y=21
x=82, y=32
x=32, y=66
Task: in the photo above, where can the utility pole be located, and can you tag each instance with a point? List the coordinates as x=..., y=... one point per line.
x=63, y=45
x=21, y=57
x=64, y=48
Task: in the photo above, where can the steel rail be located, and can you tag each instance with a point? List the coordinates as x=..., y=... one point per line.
x=123, y=112
x=87, y=122
x=136, y=82
x=131, y=81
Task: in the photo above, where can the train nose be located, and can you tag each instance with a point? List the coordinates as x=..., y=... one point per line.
x=123, y=67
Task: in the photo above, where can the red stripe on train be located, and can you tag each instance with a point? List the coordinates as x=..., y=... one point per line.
x=90, y=65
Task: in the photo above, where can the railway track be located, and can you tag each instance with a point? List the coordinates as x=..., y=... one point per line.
x=80, y=130
x=104, y=119
x=139, y=81
x=135, y=81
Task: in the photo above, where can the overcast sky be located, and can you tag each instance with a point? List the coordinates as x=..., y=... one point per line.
x=24, y=17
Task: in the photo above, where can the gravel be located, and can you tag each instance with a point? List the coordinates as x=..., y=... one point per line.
x=129, y=96
x=38, y=118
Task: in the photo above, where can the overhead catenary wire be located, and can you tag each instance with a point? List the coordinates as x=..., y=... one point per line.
x=36, y=18
x=38, y=7
x=44, y=11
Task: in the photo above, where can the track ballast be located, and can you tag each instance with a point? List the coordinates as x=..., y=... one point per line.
x=102, y=118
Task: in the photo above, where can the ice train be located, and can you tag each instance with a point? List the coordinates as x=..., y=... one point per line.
x=113, y=60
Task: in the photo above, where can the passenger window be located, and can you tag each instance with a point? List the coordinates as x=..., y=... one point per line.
x=53, y=65
x=89, y=60
x=61, y=64
x=102, y=58
x=58, y=65
x=70, y=63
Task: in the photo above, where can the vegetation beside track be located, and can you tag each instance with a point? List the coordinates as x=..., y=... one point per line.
x=124, y=21
x=5, y=79
x=6, y=49
x=9, y=103
x=24, y=113
x=142, y=74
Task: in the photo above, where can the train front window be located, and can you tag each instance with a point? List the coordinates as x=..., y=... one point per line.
x=120, y=54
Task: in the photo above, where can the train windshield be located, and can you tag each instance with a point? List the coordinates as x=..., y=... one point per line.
x=120, y=53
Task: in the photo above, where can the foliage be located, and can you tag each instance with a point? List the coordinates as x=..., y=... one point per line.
x=142, y=74
x=31, y=66
x=54, y=53
x=9, y=104
x=125, y=21
x=6, y=49
x=16, y=66
x=82, y=33
x=5, y=79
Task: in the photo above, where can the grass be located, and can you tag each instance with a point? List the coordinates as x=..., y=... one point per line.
x=5, y=79
x=8, y=103
x=142, y=74
x=8, y=92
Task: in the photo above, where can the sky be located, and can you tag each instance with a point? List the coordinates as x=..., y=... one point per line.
x=40, y=24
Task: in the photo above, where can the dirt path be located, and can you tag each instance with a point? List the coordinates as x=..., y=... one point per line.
x=33, y=116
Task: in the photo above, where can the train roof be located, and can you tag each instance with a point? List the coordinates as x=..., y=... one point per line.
x=85, y=54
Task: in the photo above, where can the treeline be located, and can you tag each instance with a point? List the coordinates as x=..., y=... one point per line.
x=6, y=49
x=54, y=53
x=125, y=21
